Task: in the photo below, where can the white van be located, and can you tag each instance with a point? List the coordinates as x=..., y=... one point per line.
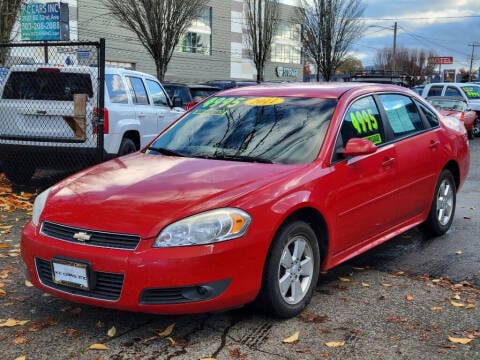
x=48, y=116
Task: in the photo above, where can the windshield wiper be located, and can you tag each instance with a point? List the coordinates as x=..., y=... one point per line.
x=242, y=158
x=165, y=151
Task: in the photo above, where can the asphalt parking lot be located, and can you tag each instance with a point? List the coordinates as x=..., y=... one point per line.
x=408, y=299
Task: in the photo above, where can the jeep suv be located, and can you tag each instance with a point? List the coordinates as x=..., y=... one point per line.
x=48, y=117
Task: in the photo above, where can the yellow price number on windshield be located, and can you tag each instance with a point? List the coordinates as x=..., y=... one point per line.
x=363, y=121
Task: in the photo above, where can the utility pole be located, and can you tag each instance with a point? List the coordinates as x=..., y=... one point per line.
x=471, y=59
x=394, y=48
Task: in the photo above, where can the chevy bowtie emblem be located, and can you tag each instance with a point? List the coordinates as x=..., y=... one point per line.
x=82, y=236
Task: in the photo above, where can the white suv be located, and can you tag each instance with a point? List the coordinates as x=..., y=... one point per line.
x=48, y=116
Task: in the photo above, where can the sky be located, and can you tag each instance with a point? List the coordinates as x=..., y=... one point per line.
x=445, y=26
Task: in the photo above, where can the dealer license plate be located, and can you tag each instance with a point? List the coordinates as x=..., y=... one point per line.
x=70, y=273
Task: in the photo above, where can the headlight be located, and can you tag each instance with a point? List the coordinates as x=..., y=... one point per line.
x=38, y=205
x=205, y=228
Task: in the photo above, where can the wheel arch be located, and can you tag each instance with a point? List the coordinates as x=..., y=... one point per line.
x=319, y=226
x=133, y=135
x=453, y=167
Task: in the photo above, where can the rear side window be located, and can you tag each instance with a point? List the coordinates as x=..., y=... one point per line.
x=156, y=92
x=452, y=91
x=47, y=85
x=429, y=115
x=435, y=90
x=116, y=89
x=402, y=115
x=137, y=90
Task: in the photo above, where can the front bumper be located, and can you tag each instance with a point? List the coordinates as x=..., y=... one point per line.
x=178, y=280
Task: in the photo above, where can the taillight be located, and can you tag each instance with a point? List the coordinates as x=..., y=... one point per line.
x=96, y=114
x=462, y=117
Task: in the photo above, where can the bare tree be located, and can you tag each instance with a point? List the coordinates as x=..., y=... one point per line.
x=329, y=29
x=8, y=15
x=262, y=21
x=158, y=24
x=410, y=62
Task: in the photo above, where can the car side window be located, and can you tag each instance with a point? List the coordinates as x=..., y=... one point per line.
x=435, y=90
x=429, y=115
x=362, y=120
x=159, y=97
x=402, y=115
x=137, y=90
x=116, y=89
x=452, y=91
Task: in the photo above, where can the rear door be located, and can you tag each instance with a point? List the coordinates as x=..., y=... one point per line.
x=417, y=147
x=144, y=111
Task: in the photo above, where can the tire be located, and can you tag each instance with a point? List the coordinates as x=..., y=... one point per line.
x=476, y=128
x=18, y=173
x=289, y=279
x=126, y=147
x=442, y=210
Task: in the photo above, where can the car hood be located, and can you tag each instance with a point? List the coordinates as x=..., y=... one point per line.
x=142, y=193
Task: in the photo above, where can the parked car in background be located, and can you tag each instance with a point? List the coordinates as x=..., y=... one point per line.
x=190, y=94
x=247, y=198
x=458, y=108
x=49, y=116
x=470, y=92
x=418, y=89
x=228, y=84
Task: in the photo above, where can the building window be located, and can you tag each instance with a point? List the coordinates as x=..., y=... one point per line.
x=198, y=37
x=286, y=47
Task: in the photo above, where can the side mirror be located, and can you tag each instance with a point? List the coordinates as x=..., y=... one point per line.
x=358, y=146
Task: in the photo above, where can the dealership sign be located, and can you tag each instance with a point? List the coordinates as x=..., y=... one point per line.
x=439, y=60
x=44, y=21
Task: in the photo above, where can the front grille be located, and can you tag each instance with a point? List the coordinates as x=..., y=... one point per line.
x=97, y=238
x=108, y=286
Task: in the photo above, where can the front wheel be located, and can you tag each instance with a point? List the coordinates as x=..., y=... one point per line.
x=291, y=270
x=443, y=205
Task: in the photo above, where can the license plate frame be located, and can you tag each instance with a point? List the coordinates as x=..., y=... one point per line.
x=70, y=273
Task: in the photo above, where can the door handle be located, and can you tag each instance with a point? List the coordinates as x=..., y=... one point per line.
x=388, y=161
x=434, y=144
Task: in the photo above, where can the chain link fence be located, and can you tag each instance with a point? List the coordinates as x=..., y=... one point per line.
x=51, y=107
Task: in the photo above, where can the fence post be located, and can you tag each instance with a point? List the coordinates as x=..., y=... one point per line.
x=101, y=99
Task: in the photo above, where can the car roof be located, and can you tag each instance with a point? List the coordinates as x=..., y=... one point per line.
x=191, y=85
x=322, y=89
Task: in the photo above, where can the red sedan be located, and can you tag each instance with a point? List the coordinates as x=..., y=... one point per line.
x=457, y=108
x=247, y=198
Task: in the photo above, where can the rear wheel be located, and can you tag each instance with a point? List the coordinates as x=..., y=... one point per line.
x=291, y=270
x=126, y=147
x=18, y=173
x=443, y=205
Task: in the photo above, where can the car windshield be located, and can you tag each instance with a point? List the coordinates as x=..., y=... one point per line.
x=472, y=91
x=446, y=104
x=283, y=130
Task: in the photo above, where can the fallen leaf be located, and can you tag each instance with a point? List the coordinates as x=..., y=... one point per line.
x=4, y=246
x=292, y=339
x=23, y=357
x=112, y=331
x=335, y=343
x=98, y=347
x=365, y=284
x=470, y=306
x=12, y=322
x=167, y=331
x=459, y=252
x=396, y=319
x=207, y=359
x=2, y=292
x=20, y=340
x=386, y=285
x=462, y=341
x=28, y=283
x=344, y=279
x=409, y=297
x=436, y=308
x=172, y=341
x=456, y=304
x=436, y=280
